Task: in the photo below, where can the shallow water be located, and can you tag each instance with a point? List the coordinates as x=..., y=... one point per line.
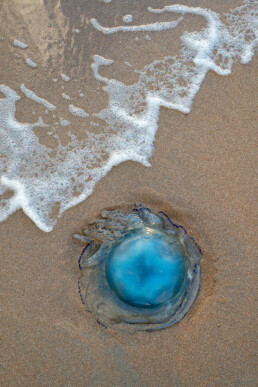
x=71, y=145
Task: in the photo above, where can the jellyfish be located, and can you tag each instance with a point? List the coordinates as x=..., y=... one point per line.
x=139, y=270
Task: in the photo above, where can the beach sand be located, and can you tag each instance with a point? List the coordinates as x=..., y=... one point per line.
x=202, y=175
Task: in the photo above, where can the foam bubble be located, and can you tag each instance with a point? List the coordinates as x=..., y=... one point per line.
x=64, y=122
x=31, y=63
x=30, y=94
x=127, y=19
x=65, y=77
x=144, y=27
x=65, y=96
x=129, y=121
x=76, y=111
x=20, y=44
x=100, y=61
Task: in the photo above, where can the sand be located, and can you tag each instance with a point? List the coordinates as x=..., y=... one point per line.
x=203, y=177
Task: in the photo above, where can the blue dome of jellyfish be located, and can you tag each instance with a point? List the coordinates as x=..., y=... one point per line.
x=146, y=268
x=139, y=270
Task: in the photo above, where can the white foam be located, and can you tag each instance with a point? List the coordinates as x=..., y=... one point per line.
x=127, y=19
x=64, y=122
x=76, y=111
x=19, y=200
x=144, y=27
x=248, y=53
x=31, y=63
x=94, y=123
x=20, y=44
x=30, y=94
x=65, y=77
x=100, y=61
x=128, y=123
x=65, y=96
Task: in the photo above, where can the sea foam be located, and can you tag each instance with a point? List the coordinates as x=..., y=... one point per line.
x=33, y=179
x=31, y=63
x=18, y=43
x=76, y=111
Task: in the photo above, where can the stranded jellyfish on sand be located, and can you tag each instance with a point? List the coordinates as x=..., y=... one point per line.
x=139, y=270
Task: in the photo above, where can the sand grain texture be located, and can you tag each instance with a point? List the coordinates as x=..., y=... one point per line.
x=203, y=176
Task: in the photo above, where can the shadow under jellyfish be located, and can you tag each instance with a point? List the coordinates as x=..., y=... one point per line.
x=139, y=270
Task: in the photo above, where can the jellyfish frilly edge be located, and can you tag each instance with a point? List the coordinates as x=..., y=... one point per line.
x=140, y=271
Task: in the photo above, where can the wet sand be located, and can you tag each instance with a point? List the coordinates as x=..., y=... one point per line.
x=203, y=177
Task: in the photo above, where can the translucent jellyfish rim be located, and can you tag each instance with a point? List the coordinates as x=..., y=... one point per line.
x=187, y=298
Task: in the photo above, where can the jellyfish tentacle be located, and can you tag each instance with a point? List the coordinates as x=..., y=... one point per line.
x=149, y=218
x=83, y=239
x=97, y=258
x=105, y=230
x=117, y=215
